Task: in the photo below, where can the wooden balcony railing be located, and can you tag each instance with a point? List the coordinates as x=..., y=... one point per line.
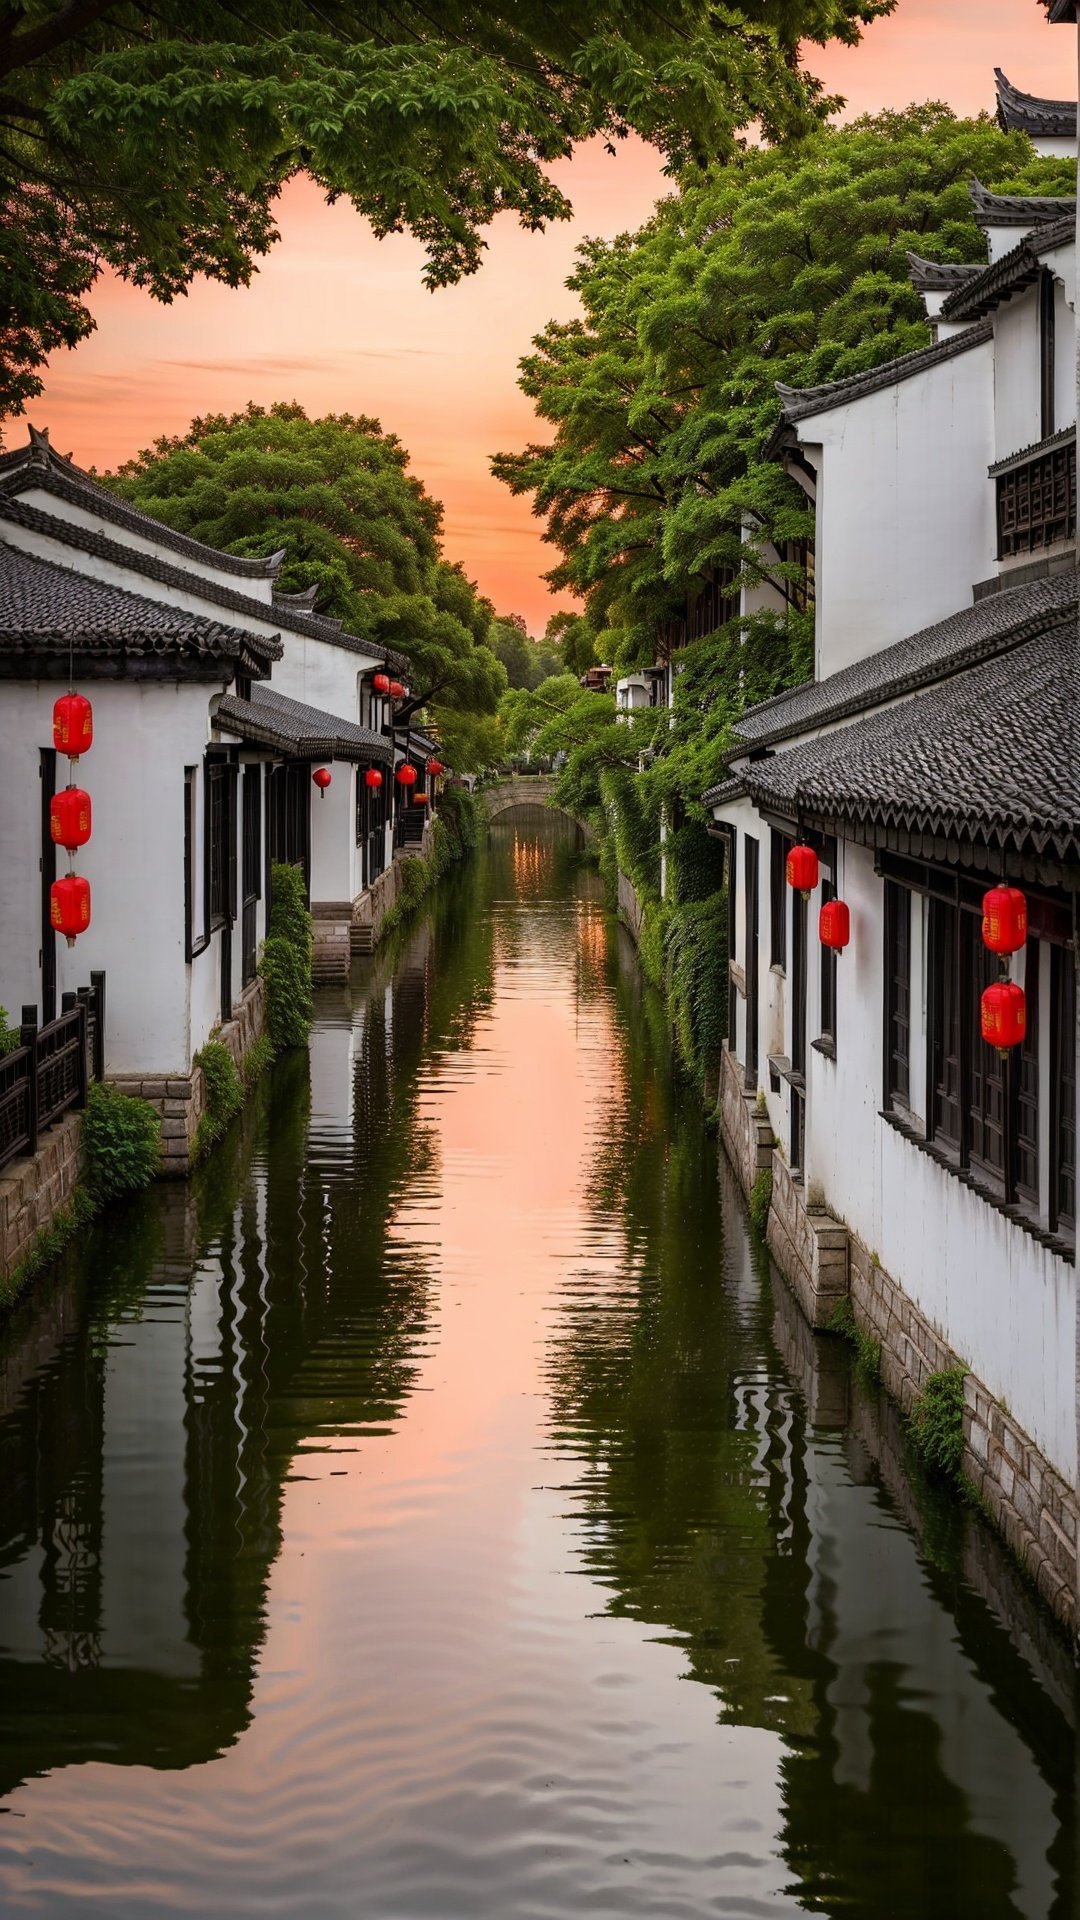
x=48, y=1073
x=1036, y=499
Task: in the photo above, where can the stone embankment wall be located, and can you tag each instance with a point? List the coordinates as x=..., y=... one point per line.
x=33, y=1189
x=181, y=1099
x=823, y=1262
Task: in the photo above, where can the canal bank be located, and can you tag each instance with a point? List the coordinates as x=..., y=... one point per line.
x=439, y=1497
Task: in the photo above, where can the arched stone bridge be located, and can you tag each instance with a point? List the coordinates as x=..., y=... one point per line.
x=520, y=792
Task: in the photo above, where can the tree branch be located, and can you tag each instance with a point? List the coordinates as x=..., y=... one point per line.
x=22, y=49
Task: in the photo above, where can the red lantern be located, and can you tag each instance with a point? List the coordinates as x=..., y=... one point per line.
x=69, y=818
x=1004, y=1015
x=322, y=777
x=435, y=767
x=1004, y=924
x=73, y=725
x=381, y=682
x=397, y=691
x=802, y=869
x=69, y=906
x=373, y=778
x=834, y=925
x=406, y=774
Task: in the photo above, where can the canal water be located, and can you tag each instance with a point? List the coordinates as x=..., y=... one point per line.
x=439, y=1513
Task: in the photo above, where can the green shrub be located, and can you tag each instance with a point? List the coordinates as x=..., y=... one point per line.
x=256, y=1060
x=285, y=961
x=121, y=1138
x=224, y=1094
x=695, y=980
x=10, y=1037
x=937, y=1424
x=761, y=1201
x=867, y=1349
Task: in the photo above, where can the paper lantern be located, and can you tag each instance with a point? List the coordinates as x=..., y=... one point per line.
x=373, y=778
x=69, y=906
x=406, y=774
x=1004, y=920
x=381, y=682
x=802, y=869
x=1004, y=1015
x=73, y=725
x=435, y=767
x=834, y=925
x=70, y=818
x=322, y=777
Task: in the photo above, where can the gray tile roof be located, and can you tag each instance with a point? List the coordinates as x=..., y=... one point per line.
x=1015, y=270
x=800, y=403
x=299, y=732
x=732, y=788
x=46, y=609
x=1053, y=119
x=1063, y=438
x=1018, y=209
x=286, y=610
x=38, y=465
x=940, y=276
x=991, y=757
x=992, y=626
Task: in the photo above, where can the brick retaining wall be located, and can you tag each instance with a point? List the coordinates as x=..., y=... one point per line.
x=33, y=1189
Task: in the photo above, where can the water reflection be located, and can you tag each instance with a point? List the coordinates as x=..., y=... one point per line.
x=366, y=1509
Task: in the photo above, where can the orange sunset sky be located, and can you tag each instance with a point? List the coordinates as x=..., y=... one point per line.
x=341, y=322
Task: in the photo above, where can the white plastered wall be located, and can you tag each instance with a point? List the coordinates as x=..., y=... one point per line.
x=144, y=736
x=902, y=476
x=1006, y=1304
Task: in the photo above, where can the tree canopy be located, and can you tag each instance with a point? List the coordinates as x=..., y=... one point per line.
x=336, y=495
x=156, y=139
x=790, y=264
x=527, y=661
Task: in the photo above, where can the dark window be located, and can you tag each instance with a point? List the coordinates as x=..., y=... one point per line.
x=779, y=848
x=798, y=1028
x=732, y=882
x=189, y=860
x=1027, y=1091
x=987, y=1099
x=714, y=606
x=944, y=1024
x=1036, y=502
x=371, y=826
x=1047, y=299
x=828, y=974
x=1063, y=1090
x=220, y=842
x=897, y=995
x=252, y=868
x=750, y=952
x=800, y=553
x=289, y=808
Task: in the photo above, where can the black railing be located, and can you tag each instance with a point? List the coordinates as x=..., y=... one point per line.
x=1036, y=502
x=48, y=1073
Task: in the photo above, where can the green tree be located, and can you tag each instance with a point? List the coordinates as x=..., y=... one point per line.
x=156, y=139
x=527, y=661
x=788, y=265
x=337, y=496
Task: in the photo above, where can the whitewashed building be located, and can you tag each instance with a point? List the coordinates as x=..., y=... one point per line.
x=935, y=754
x=200, y=772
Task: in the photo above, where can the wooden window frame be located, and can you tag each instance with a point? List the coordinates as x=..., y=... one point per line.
x=780, y=845
x=897, y=961
x=751, y=960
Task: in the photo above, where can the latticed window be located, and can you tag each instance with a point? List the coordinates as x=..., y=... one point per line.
x=1036, y=502
x=715, y=605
